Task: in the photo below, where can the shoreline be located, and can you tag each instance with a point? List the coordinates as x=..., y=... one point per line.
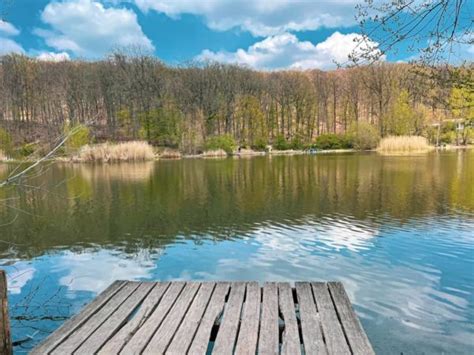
x=193, y=156
x=246, y=154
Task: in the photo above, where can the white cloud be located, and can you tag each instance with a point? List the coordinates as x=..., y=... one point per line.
x=53, y=56
x=7, y=28
x=287, y=51
x=19, y=277
x=261, y=18
x=8, y=45
x=87, y=28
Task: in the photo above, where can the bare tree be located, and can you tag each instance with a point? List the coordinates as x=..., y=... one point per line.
x=435, y=32
x=431, y=29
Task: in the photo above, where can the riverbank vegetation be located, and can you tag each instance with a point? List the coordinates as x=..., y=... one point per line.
x=216, y=153
x=403, y=145
x=206, y=107
x=107, y=152
x=168, y=153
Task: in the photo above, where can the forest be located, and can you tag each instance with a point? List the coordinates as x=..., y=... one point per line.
x=132, y=96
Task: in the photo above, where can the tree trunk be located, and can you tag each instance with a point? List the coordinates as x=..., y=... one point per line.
x=5, y=337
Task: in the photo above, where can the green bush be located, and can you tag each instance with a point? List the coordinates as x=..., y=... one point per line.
x=161, y=126
x=281, y=143
x=364, y=136
x=332, y=141
x=225, y=142
x=297, y=143
x=448, y=127
x=448, y=137
x=431, y=134
x=6, y=144
x=468, y=135
x=79, y=135
x=27, y=149
x=260, y=145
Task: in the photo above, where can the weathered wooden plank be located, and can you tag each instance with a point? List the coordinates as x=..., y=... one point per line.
x=213, y=311
x=74, y=340
x=332, y=328
x=178, y=318
x=358, y=341
x=291, y=344
x=163, y=336
x=143, y=335
x=268, y=336
x=5, y=336
x=227, y=334
x=248, y=334
x=108, y=328
x=118, y=341
x=76, y=321
x=185, y=334
x=310, y=323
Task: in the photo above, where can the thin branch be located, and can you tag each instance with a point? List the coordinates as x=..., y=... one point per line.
x=22, y=173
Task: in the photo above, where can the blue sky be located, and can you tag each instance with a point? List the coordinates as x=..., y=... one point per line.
x=265, y=34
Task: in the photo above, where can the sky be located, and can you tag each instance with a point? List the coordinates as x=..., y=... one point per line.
x=261, y=34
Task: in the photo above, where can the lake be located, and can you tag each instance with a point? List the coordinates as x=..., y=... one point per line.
x=397, y=231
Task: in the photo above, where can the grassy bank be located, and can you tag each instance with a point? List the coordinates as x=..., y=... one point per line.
x=404, y=145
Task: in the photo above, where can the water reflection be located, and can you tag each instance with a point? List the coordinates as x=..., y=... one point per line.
x=396, y=230
x=132, y=172
x=94, y=271
x=19, y=276
x=228, y=198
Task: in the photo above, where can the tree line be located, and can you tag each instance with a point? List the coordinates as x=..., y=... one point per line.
x=125, y=97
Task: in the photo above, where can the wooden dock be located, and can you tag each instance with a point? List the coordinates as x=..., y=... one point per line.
x=213, y=317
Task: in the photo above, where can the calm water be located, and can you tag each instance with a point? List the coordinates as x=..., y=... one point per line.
x=398, y=231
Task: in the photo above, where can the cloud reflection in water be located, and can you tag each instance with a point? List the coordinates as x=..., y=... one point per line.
x=94, y=271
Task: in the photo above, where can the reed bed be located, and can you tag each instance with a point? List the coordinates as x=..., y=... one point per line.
x=404, y=145
x=170, y=154
x=3, y=157
x=108, y=152
x=250, y=152
x=214, y=153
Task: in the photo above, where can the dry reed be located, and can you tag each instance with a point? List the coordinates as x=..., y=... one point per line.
x=170, y=154
x=250, y=152
x=404, y=145
x=108, y=152
x=215, y=153
x=3, y=157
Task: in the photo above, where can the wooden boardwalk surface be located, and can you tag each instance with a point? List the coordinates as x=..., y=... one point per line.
x=213, y=318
